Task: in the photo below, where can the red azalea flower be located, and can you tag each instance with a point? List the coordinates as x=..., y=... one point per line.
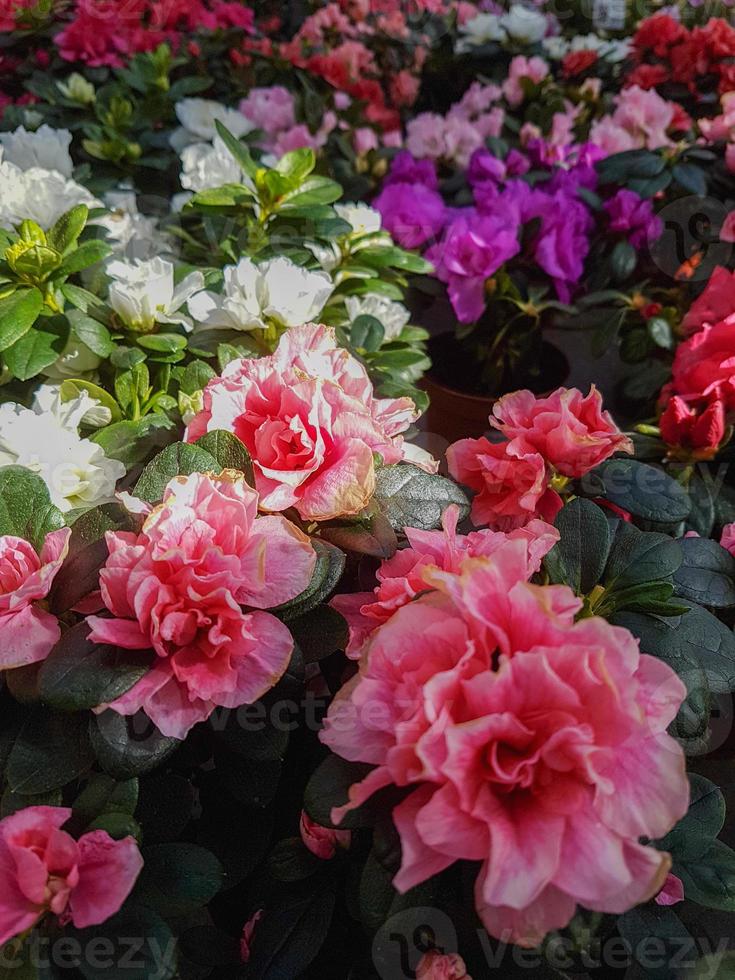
x=578, y=62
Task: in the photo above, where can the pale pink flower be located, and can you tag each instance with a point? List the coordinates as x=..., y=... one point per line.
x=43, y=870
x=270, y=109
x=179, y=587
x=322, y=841
x=403, y=577
x=529, y=742
x=309, y=418
x=641, y=119
x=441, y=966
x=364, y=139
x=569, y=430
x=535, y=69
x=425, y=136
x=28, y=631
x=461, y=138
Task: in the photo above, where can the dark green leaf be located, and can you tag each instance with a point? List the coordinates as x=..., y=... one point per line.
x=26, y=510
x=178, y=878
x=289, y=937
x=51, y=750
x=692, y=836
x=228, y=451
x=290, y=860
x=319, y=633
x=67, y=229
x=642, y=490
x=137, y=944
x=80, y=674
x=178, y=459
x=127, y=747
x=691, y=177
x=330, y=564
x=88, y=253
x=579, y=557
x=710, y=880
x=131, y=442
x=91, y=332
x=409, y=497
x=707, y=575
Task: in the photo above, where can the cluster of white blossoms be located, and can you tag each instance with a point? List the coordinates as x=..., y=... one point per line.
x=205, y=160
x=613, y=50
x=392, y=315
x=45, y=439
x=256, y=295
x=521, y=24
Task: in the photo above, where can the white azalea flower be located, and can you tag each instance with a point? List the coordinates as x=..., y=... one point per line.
x=142, y=293
x=555, y=47
x=275, y=291
x=41, y=195
x=480, y=30
x=130, y=234
x=328, y=256
x=524, y=24
x=198, y=117
x=75, y=360
x=207, y=165
x=394, y=316
x=46, y=148
x=364, y=219
x=44, y=439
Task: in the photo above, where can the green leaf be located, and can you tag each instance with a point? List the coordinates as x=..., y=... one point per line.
x=137, y=944
x=660, y=332
x=623, y=261
x=165, y=343
x=579, y=557
x=26, y=510
x=691, y=837
x=35, y=350
x=290, y=860
x=644, y=491
x=88, y=253
x=319, y=633
x=103, y=794
x=290, y=936
x=127, y=747
x=330, y=564
x=79, y=673
x=91, y=332
x=178, y=459
x=637, y=557
x=367, y=332
x=692, y=643
x=409, y=497
x=131, y=442
x=238, y=150
x=707, y=575
x=12, y=802
x=228, y=451
x=51, y=750
x=18, y=313
x=178, y=878
x=691, y=177
x=710, y=880
x=67, y=229
x=329, y=786
x=315, y=190
x=376, y=537
x=297, y=164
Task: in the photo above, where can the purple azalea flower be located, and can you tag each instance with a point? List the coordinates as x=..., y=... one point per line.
x=473, y=248
x=634, y=216
x=562, y=243
x=412, y=213
x=484, y=168
x=406, y=169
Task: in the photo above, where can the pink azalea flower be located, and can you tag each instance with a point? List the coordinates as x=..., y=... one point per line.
x=43, y=870
x=715, y=303
x=311, y=423
x=402, y=578
x=441, y=966
x=322, y=841
x=179, y=587
x=672, y=892
x=248, y=931
x=270, y=109
x=570, y=430
x=511, y=484
x=532, y=743
x=28, y=631
x=727, y=231
x=534, y=69
x=727, y=538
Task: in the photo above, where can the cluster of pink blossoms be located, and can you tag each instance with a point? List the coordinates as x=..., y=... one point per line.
x=523, y=740
x=43, y=870
x=311, y=423
x=566, y=434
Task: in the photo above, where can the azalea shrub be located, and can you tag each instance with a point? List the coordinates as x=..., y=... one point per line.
x=292, y=686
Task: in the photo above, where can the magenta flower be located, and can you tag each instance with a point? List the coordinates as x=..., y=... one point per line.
x=634, y=216
x=412, y=213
